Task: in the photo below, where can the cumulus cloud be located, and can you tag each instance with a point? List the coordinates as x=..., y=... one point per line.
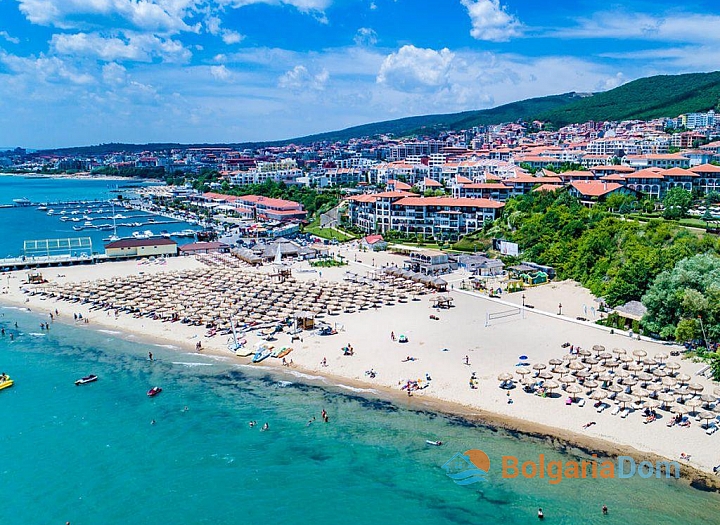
x=300, y=78
x=232, y=37
x=415, y=69
x=140, y=47
x=46, y=69
x=220, y=72
x=365, y=37
x=114, y=74
x=491, y=21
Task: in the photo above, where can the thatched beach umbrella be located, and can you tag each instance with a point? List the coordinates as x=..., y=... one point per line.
x=567, y=378
x=505, y=376
x=639, y=353
x=624, y=398
x=619, y=351
x=522, y=371
x=679, y=409
x=598, y=348
x=598, y=395
x=696, y=387
x=707, y=416
x=539, y=366
x=661, y=356
x=573, y=390
x=651, y=403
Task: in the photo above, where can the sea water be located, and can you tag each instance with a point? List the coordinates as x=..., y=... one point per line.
x=91, y=454
x=22, y=223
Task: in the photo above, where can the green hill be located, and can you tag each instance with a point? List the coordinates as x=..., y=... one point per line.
x=429, y=124
x=645, y=98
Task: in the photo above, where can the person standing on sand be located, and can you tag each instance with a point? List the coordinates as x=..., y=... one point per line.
x=392, y=336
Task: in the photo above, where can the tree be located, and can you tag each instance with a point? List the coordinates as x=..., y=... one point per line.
x=677, y=202
x=687, y=292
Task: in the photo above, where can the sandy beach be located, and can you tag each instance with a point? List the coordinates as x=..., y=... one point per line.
x=449, y=350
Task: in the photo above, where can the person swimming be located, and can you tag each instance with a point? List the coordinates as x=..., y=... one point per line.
x=265, y=427
x=541, y=515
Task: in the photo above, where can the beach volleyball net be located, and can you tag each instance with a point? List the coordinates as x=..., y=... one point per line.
x=508, y=315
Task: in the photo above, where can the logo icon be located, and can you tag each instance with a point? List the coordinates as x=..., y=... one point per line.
x=468, y=467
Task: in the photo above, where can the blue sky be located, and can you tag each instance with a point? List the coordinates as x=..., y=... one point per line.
x=78, y=72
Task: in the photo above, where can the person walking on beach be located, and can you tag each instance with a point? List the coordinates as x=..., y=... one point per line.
x=392, y=336
x=467, y=360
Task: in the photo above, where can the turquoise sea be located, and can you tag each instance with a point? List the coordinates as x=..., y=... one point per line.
x=90, y=455
x=19, y=224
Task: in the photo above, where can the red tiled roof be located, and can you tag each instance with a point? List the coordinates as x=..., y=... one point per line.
x=462, y=180
x=399, y=185
x=649, y=173
x=432, y=183
x=706, y=168
x=461, y=202
x=594, y=188
x=678, y=172
x=372, y=239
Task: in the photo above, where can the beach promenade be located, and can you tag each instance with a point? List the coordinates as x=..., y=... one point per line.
x=451, y=361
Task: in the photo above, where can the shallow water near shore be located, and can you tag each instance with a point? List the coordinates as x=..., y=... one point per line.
x=89, y=454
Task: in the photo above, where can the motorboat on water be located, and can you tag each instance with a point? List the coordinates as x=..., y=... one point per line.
x=42, y=208
x=154, y=391
x=22, y=201
x=6, y=382
x=112, y=238
x=87, y=379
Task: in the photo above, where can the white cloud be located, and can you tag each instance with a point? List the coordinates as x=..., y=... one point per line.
x=232, y=37
x=491, y=21
x=220, y=72
x=365, y=37
x=678, y=27
x=413, y=69
x=611, y=82
x=300, y=78
x=150, y=15
x=114, y=74
x=135, y=47
x=46, y=69
x=5, y=35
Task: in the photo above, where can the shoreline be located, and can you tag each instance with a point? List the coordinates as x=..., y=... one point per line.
x=559, y=436
x=515, y=427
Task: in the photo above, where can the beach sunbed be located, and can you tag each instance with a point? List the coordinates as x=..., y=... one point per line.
x=616, y=410
x=625, y=413
x=602, y=407
x=581, y=403
x=711, y=430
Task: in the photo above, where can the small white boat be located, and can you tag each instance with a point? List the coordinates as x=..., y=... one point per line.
x=87, y=223
x=51, y=212
x=434, y=443
x=42, y=208
x=87, y=379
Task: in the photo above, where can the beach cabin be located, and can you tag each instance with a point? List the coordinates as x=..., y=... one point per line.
x=428, y=262
x=157, y=246
x=204, y=247
x=375, y=243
